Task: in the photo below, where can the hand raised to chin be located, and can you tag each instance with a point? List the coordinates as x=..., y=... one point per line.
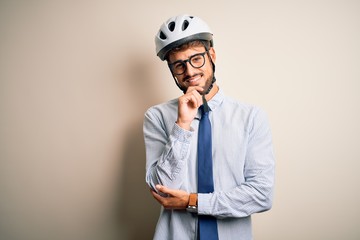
x=188, y=105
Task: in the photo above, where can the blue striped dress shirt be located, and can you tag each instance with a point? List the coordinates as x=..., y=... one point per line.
x=243, y=166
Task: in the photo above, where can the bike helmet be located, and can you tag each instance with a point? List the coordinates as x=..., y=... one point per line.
x=179, y=30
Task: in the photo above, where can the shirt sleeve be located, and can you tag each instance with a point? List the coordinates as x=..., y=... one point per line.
x=166, y=151
x=255, y=193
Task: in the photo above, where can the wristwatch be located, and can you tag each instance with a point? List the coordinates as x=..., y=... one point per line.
x=192, y=207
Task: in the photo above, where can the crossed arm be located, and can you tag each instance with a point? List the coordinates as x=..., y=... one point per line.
x=166, y=170
x=176, y=199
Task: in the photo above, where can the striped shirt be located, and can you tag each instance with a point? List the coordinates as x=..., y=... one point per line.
x=243, y=166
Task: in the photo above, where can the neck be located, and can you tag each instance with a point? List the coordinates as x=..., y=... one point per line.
x=212, y=93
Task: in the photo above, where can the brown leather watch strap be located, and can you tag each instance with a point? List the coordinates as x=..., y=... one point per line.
x=193, y=199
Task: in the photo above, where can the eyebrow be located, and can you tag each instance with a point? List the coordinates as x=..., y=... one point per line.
x=178, y=61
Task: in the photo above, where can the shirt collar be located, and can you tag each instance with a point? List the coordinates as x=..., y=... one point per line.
x=214, y=102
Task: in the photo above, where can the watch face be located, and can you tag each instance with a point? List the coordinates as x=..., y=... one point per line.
x=192, y=209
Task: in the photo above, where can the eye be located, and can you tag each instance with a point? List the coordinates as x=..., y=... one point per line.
x=178, y=65
x=196, y=58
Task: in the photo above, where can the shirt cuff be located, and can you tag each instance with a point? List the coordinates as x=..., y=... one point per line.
x=204, y=203
x=181, y=134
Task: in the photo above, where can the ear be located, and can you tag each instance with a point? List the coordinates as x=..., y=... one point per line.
x=212, y=54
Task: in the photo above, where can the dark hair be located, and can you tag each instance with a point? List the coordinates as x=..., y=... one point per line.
x=195, y=43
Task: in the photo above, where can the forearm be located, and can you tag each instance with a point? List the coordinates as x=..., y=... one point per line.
x=239, y=202
x=248, y=198
x=169, y=168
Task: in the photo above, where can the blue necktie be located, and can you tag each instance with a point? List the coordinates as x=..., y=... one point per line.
x=207, y=224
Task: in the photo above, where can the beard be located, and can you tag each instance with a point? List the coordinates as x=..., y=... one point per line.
x=207, y=87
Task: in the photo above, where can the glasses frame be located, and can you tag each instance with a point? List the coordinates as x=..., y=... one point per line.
x=183, y=62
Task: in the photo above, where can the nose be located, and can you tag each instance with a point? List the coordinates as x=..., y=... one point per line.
x=189, y=70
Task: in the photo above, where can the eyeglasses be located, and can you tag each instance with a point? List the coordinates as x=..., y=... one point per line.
x=196, y=61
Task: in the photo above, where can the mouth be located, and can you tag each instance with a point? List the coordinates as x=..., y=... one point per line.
x=194, y=80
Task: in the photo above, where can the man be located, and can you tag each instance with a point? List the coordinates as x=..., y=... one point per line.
x=241, y=172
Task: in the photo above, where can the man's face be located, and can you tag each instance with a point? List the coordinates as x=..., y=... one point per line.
x=194, y=76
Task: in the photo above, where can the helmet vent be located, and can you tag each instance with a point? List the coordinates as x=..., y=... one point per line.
x=162, y=35
x=171, y=26
x=185, y=25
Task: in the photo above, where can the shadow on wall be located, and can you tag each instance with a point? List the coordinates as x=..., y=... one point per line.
x=138, y=211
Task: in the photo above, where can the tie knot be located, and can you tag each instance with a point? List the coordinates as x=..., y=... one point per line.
x=204, y=110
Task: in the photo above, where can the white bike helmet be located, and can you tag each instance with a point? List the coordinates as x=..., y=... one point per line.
x=179, y=30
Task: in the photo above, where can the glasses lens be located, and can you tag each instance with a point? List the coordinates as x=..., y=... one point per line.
x=198, y=60
x=178, y=68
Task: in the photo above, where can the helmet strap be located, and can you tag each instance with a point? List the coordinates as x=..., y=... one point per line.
x=214, y=79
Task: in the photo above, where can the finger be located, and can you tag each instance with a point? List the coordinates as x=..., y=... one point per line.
x=199, y=99
x=152, y=191
x=195, y=88
x=163, y=201
x=199, y=89
x=166, y=190
x=194, y=101
x=189, y=99
x=194, y=98
x=157, y=196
